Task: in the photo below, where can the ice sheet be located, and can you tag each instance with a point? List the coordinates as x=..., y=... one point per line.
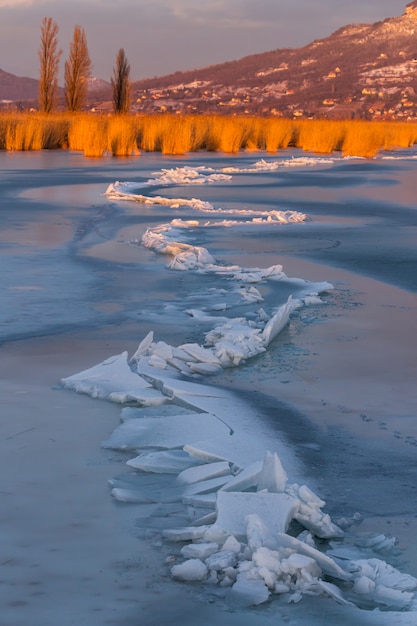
x=164, y=432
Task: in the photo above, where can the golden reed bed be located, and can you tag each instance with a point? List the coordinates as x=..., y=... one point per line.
x=125, y=135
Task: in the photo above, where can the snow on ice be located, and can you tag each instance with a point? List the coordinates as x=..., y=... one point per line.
x=252, y=532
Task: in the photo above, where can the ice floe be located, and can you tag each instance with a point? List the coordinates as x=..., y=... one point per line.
x=124, y=191
x=271, y=166
x=200, y=175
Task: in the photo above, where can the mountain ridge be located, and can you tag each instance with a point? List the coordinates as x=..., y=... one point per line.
x=360, y=70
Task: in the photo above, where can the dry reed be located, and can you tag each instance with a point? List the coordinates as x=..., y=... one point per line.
x=322, y=136
x=124, y=135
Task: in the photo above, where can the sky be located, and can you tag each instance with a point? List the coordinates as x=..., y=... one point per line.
x=164, y=36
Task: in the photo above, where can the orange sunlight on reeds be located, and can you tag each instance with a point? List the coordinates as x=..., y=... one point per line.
x=129, y=134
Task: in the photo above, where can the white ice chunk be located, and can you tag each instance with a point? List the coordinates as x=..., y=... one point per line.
x=205, y=486
x=142, y=348
x=163, y=432
x=279, y=320
x=310, y=516
x=328, y=565
x=377, y=542
x=163, y=462
x=383, y=574
x=268, y=578
x=157, y=361
x=309, y=497
x=209, y=518
x=305, y=566
x=204, y=369
x=205, y=500
x=188, y=533
x=257, y=534
x=190, y=570
x=333, y=592
x=187, y=257
x=317, y=522
x=170, y=385
x=364, y=586
x=143, y=397
x=272, y=477
x=392, y=598
x=162, y=350
x=207, y=451
x=204, y=472
x=109, y=376
x=130, y=495
x=215, y=534
x=233, y=544
x=268, y=559
x=248, y=593
x=200, y=354
x=239, y=449
x=246, y=479
x=199, y=550
x=275, y=510
x=221, y=560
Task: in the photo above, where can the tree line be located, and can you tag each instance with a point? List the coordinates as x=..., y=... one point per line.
x=77, y=71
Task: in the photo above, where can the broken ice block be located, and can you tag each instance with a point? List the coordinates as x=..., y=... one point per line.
x=329, y=567
x=204, y=472
x=190, y=570
x=163, y=462
x=171, y=431
x=274, y=509
x=272, y=477
x=111, y=376
x=248, y=593
x=199, y=550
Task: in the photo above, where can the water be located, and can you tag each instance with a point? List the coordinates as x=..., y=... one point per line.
x=338, y=385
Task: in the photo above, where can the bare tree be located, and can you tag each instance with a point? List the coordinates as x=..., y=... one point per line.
x=49, y=56
x=121, y=83
x=77, y=71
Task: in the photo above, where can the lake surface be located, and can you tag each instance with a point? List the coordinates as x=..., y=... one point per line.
x=337, y=387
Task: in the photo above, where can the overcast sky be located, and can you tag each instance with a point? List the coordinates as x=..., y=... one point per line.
x=162, y=36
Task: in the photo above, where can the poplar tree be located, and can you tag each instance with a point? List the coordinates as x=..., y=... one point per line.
x=77, y=71
x=49, y=56
x=121, y=84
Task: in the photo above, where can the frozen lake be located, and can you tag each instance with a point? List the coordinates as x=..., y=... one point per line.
x=334, y=393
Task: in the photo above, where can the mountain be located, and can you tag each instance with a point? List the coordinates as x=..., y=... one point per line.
x=16, y=88
x=22, y=92
x=361, y=70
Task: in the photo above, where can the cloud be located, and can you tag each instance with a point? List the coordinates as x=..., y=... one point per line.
x=162, y=36
x=13, y=3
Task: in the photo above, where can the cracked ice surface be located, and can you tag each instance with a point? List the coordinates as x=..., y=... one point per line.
x=252, y=531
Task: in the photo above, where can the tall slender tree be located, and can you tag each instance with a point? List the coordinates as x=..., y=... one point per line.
x=77, y=71
x=49, y=56
x=121, y=83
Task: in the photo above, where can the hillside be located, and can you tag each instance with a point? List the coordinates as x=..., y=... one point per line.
x=361, y=70
x=16, y=88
